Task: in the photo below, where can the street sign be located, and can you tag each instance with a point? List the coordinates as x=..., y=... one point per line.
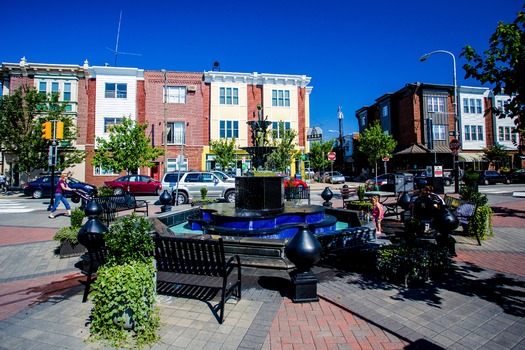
x=386, y=159
x=454, y=146
x=314, y=134
x=331, y=156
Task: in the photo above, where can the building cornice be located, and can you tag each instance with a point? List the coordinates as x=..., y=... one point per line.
x=256, y=78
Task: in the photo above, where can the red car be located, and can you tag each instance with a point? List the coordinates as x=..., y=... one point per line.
x=137, y=184
x=294, y=182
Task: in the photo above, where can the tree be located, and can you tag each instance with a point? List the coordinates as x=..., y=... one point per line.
x=21, y=118
x=376, y=144
x=497, y=154
x=504, y=67
x=127, y=148
x=319, y=154
x=284, y=153
x=224, y=151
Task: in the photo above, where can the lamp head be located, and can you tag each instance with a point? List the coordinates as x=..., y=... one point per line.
x=424, y=57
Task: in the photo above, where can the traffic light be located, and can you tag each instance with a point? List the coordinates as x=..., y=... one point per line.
x=47, y=130
x=60, y=131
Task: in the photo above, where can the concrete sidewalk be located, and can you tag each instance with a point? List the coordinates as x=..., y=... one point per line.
x=481, y=305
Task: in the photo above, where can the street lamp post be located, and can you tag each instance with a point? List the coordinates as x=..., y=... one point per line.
x=341, y=148
x=455, y=105
x=165, y=138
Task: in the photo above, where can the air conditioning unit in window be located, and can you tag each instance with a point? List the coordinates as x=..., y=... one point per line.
x=191, y=88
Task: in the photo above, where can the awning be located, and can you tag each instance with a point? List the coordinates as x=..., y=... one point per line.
x=471, y=157
x=418, y=148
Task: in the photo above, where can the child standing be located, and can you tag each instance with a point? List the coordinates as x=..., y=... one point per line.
x=378, y=213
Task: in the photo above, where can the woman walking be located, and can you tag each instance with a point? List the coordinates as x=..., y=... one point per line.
x=60, y=195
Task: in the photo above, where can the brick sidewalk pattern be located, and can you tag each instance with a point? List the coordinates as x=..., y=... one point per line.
x=481, y=305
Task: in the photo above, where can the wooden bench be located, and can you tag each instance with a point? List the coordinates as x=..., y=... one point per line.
x=291, y=193
x=196, y=262
x=463, y=210
x=111, y=205
x=347, y=193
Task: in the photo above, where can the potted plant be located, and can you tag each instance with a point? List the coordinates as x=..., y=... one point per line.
x=203, y=200
x=124, y=312
x=360, y=205
x=67, y=236
x=481, y=224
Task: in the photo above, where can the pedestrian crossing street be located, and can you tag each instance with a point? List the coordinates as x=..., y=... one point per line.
x=10, y=206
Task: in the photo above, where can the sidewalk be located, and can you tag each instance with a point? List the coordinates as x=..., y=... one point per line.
x=479, y=306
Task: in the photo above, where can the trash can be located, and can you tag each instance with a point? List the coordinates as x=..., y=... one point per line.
x=399, y=183
x=409, y=182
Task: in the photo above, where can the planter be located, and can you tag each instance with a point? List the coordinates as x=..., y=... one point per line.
x=68, y=250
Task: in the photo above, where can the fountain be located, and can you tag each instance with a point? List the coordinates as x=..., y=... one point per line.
x=260, y=224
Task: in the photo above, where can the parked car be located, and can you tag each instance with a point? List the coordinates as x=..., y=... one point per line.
x=137, y=184
x=518, y=176
x=488, y=177
x=41, y=187
x=393, y=182
x=421, y=180
x=191, y=182
x=294, y=182
x=334, y=177
x=223, y=176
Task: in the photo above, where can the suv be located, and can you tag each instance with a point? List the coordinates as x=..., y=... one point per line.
x=191, y=182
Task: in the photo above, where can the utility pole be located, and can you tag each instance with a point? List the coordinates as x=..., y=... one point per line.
x=341, y=149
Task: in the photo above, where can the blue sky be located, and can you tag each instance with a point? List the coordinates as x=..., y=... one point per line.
x=354, y=51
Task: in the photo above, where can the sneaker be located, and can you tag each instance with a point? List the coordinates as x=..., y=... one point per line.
x=51, y=216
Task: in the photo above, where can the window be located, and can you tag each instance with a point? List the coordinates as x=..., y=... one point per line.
x=42, y=88
x=102, y=171
x=229, y=129
x=175, y=133
x=228, y=96
x=110, y=122
x=276, y=132
x=385, y=111
x=363, y=121
x=116, y=90
x=67, y=91
x=54, y=88
x=436, y=104
x=474, y=133
x=176, y=94
x=438, y=131
x=281, y=98
x=506, y=133
x=472, y=105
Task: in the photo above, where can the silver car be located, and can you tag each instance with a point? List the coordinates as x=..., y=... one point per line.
x=191, y=183
x=334, y=177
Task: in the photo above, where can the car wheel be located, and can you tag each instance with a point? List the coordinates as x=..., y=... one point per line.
x=230, y=196
x=507, y=181
x=448, y=183
x=487, y=182
x=182, y=198
x=37, y=194
x=157, y=192
x=118, y=191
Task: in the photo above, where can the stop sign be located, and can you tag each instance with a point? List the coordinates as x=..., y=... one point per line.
x=331, y=155
x=454, y=146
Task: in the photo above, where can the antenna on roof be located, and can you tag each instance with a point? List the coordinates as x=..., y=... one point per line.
x=116, y=51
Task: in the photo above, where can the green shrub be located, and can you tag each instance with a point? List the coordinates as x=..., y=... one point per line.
x=126, y=289
x=361, y=193
x=412, y=262
x=129, y=239
x=105, y=191
x=204, y=192
x=67, y=234
x=76, y=218
x=481, y=224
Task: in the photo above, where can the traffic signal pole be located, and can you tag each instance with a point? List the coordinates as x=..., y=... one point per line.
x=52, y=130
